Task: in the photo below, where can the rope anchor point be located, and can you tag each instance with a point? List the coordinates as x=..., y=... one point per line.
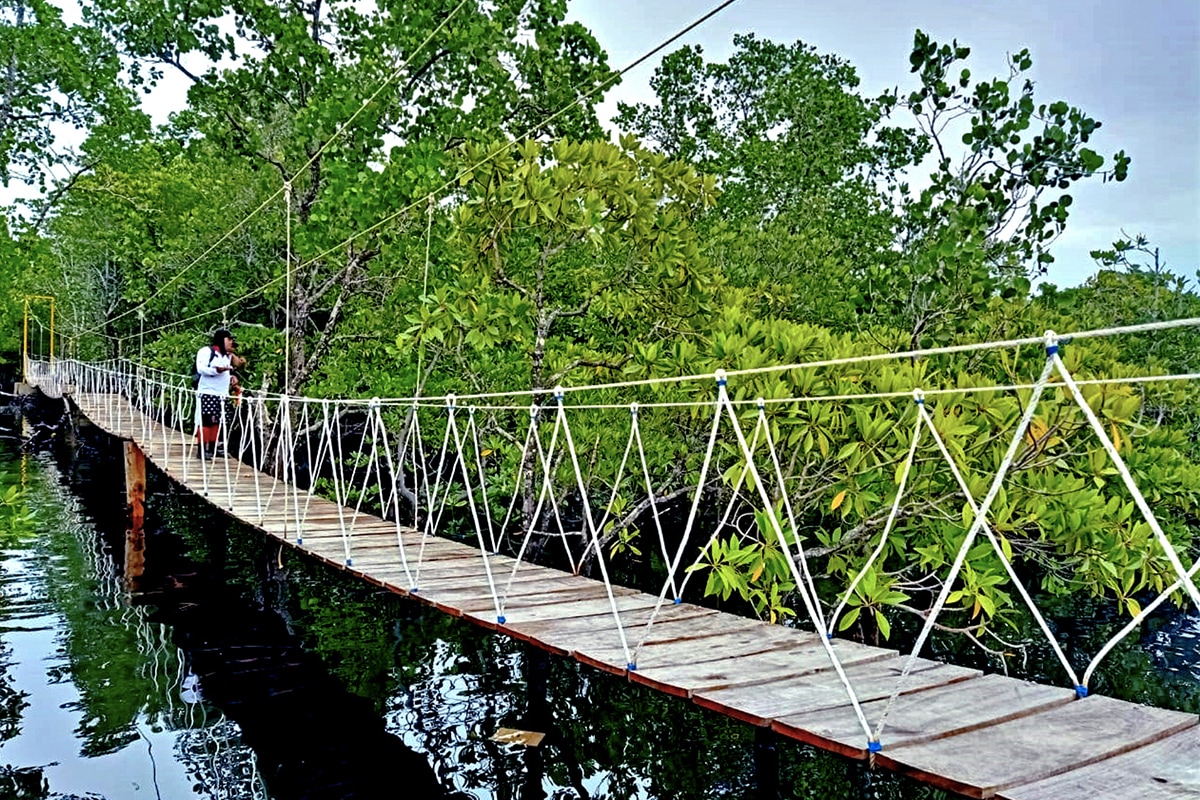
x=1051, y=339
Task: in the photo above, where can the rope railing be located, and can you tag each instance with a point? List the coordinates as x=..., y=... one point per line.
x=429, y=469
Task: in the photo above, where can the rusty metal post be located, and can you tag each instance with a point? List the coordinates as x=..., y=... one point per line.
x=135, y=497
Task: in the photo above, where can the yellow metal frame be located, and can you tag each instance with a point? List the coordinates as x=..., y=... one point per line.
x=25, y=333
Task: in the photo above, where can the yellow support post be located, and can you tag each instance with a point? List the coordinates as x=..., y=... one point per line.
x=25, y=334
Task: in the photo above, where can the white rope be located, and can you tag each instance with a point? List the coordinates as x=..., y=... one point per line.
x=836, y=362
x=544, y=489
x=673, y=564
x=887, y=528
x=434, y=514
x=436, y=402
x=636, y=427
x=709, y=449
x=372, y=461
x=287, y=291
x=516, y=494
x=800, y=557
x=810, y=603
x=968, y=540
x=616, y=488
x=1119, y=463
x=1133, y=624
x=483, y=548
x=591, y=527
x=735, y=495
x=473, y=429
x=392, y=471
x=995, y=542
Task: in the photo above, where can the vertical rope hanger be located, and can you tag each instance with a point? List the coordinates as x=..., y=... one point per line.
x=287, y=292
x=968, y=540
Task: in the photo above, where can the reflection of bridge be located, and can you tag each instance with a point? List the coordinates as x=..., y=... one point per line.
x=953, y=727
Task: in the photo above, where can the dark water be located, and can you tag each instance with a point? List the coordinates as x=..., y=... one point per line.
x=240, y=671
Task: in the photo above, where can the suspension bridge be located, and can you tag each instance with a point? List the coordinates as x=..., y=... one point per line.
x=981, y=735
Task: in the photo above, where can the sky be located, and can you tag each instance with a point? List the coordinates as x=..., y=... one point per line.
x=1135, y=66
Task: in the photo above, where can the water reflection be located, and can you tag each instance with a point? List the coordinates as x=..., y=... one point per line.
x=245, y=671
x=92, y=704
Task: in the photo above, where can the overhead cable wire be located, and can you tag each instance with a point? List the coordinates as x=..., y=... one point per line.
x=602, y=86
x=433, y=194
x=281, y=190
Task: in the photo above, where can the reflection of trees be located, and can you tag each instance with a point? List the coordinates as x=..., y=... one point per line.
x=14, y=524
x=123, y=663
x=23, y=784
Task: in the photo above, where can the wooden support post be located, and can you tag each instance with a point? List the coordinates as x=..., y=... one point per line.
x=135, y=497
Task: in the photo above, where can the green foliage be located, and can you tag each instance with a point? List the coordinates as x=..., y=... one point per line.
x=460, y=236
x=58, y=77
x=993, y=207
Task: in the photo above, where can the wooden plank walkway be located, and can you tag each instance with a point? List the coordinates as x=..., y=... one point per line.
x=956, y=728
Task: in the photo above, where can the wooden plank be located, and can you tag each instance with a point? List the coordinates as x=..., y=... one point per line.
x=700, y=628
x=934, y=714
x=983, y=762
x=737, y=668
x=477, y=598
x=564, y=635
x=529, y=583
x=761, y=703
x=448, y=571
x=1165, y=770
x=624, y=601
x=712, y=640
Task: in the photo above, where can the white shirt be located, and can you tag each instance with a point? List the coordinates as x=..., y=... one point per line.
x=212, y=381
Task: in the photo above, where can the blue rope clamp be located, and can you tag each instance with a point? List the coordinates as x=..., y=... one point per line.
x=874, y=747
x=631, y=666
x=558, y=395
x=1051, y=339
x=450, y=400
x=722, y=380
x=762, y=405
x=349, y=562
x=1081, y=691
x=500, y=620
x=919, y=396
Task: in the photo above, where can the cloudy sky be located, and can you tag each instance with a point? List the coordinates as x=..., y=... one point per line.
x=1134, y=66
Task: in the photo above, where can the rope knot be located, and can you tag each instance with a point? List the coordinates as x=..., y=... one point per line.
x=633, y=409
x=720, y=376
x=558, y=394
x=450, y=400
x=1051, y=339
x=762, y=404
x=374, y=402
x=919, y=396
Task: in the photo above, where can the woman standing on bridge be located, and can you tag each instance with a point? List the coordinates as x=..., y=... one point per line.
x=214, y=365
